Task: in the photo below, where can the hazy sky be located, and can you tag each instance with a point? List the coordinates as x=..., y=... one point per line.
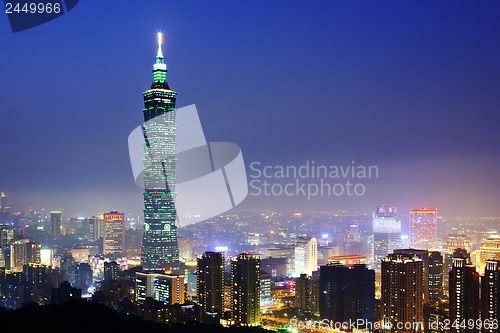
x=409, y=86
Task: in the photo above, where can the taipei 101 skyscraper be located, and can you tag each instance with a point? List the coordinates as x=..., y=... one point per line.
x=159, y=246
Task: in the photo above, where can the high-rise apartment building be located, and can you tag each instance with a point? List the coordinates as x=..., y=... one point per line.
x=210, y=282
x=464, y=295
x=346, y=292
x=402, y=293
x=386, y=234
x=307, y=294
x=245, y=289
x=423, y=228
x=490, y=295
x=159, y=246
x=435, y=277
x=113, y=233
x=424, y=256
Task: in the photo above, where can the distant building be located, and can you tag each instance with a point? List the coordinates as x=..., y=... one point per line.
x=210, y=282
x=490, y=250
x=265, y=289
x=423, y=228
x=402, y=292
x=464, y=294
x=307, y=294
x=83, y=276
x=352, y=240
x=166, y=288
x=457, y=242
x=19, y=254
x=386, y=234
x=95, y=228
x=275, y=266
x=111, y=270
x=346, y=293
x=113, y=232
x=306, y=256
x=490, y=294
x=56, y=223
x=245, y=289
x=185, y=250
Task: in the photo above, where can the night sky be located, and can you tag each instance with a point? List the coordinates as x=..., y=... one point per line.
x=410, y=86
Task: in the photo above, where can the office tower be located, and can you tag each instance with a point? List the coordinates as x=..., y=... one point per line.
x=386, y=234
x=457, y=242
x=423, y=228
x=307, y=294
x=352, y=240
x=55, y=223
x=490, y=295
x=424, y=256
x=95, y=228
x=402, y=292
x=2, y=204
x=83, y=277
x=34, y=253
x=265, y=289
x=185, y=249
x=464, y=294
x=19, y=254
x=490, y=250
x=346, y=292
x=159, y=246
x=435, y=277
x=306, y=256
x=166, y=288
x=245, y=289
x=210, y=282
x=68, y=266
x=113, y=232
x=111, y=270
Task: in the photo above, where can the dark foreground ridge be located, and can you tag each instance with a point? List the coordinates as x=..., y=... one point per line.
x=80, y=316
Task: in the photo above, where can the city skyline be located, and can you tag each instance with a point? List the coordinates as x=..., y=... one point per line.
x=416, y=103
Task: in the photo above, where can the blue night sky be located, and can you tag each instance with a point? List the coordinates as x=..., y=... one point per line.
x=410, y=86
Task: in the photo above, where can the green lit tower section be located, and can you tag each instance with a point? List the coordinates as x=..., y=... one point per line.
x=159, y=247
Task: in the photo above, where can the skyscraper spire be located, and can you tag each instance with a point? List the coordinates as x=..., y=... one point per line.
x=159, y=56
x=160, y=68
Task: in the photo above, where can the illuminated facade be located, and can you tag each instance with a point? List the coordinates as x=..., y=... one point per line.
x=386, y=234
x=305, y=256
x=210, y=282
x=490, y=250
x=166, y=288
x=457, y=242
x=464, y=293
x=113, y=232
x=307, y=294
x=245, y=289
x=159, y=246
x=490, y=294
x=423, y=228
x=402, y=292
